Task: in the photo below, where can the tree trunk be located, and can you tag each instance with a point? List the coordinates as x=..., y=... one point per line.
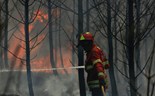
x=51, y=38
x=1, y=27
x=126, y=40
x=110, y=45
x=137, y=47
x=55, y=36
x=87, y=16
x=73, y=34
x=60, y=46
x=27, y=45
x=6, y=35
x=80, y=51
x=130, y=48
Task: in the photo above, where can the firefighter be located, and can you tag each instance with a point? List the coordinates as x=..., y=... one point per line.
x=95, y=65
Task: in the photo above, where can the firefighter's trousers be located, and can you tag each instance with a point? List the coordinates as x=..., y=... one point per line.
x=97, y=92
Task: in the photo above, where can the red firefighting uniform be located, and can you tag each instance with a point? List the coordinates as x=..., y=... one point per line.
x=95, y=66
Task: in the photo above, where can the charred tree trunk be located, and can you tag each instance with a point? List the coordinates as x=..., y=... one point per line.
x=60, y=44
x=130, y=48
x=126, y=40
x=110, y=45
x=87, y=16
x=55, y=41
x=6, y=35
x=1, y=27
x=137, y=47
x=80, y=51
x=51, y=38
x=115, y=41
x=27, y=45
x=73, y=38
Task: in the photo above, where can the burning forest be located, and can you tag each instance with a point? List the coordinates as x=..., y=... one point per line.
x=39, y=55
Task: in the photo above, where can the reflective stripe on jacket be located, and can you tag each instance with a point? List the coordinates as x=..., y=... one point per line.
x=93, y=84
x=105, y=64
x=95, y=66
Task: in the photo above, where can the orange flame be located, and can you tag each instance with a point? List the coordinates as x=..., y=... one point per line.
x=42, y=62
x=41, y=16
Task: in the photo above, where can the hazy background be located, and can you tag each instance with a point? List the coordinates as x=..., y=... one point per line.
x=13, y=80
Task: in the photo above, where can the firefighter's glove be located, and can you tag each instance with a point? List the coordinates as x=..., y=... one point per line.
x=104, y=84
x=103, y=81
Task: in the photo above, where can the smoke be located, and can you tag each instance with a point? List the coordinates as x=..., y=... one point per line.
x=44, y=84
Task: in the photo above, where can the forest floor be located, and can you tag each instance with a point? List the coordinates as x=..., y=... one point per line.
x=44, y=84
